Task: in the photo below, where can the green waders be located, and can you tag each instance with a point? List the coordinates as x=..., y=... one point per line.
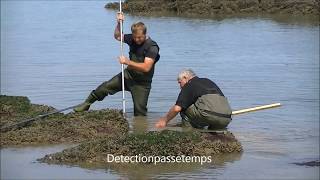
x=139, y=91
x=210, y=110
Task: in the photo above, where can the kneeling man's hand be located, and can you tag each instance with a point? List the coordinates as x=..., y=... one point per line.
x=162, y=122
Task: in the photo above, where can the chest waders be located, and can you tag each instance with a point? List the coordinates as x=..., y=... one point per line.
x=138, y=83
x=212, y=110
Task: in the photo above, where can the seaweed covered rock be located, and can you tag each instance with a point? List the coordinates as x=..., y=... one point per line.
x=153, y=143
x=219, y=7
x=15, y=108
x=56, y=128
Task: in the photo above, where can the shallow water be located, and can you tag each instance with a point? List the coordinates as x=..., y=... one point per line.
x=56, y=52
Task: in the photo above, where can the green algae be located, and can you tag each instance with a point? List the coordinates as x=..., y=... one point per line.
x=57, y=128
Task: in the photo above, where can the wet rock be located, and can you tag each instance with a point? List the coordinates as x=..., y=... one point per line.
x=218, y=7
x=57, y=128
x=164, y=143
x=15, y=108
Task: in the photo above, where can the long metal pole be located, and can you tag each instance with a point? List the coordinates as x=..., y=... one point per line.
x=122, y=65
x=27, y=122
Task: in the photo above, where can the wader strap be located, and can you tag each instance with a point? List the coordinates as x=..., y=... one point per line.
x=217, y=114
x=95, y=96
x=212, y=91
x=214, y=104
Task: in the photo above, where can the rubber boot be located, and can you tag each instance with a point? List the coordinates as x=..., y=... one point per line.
x=86, y=104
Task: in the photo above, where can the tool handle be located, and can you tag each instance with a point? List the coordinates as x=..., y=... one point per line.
x=257, y=108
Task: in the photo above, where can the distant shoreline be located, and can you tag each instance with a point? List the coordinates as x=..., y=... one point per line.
x=219, y=8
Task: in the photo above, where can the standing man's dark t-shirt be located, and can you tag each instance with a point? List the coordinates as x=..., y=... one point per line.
x=138, y=53
x=195, y=88
x=151, y=52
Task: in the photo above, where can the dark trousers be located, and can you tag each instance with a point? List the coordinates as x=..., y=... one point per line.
x=139, y=91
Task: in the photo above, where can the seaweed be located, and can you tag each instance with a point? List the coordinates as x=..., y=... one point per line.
x=57, y=128
x=153, y=143
x=98, y=133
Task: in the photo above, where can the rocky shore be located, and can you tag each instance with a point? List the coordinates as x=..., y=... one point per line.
x=219, y=7
x=57, y=128
x=165, y=143
x=102, y=132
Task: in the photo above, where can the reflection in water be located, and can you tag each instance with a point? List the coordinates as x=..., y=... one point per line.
x=21, y=163
x=139, y=124
x=26, y=159
x=171, y=170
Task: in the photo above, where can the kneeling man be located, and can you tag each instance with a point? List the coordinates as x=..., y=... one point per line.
x=200, y=102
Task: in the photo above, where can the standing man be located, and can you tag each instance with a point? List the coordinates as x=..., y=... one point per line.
x=143, y=55
x=200, y=103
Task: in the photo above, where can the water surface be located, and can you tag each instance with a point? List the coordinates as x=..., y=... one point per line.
x=56, y=52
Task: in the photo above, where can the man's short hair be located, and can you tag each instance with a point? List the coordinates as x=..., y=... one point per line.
x=138, y=26
x=186, y=73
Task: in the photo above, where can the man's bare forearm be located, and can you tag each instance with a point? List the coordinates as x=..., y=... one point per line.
x=117, y=32
x=174, y=110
